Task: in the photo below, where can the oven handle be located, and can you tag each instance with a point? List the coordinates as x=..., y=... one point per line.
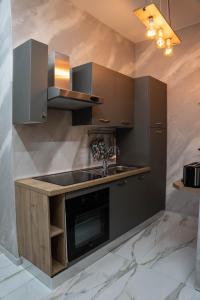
x=82, y=211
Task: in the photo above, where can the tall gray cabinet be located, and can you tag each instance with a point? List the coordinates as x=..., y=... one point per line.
x=147, y=142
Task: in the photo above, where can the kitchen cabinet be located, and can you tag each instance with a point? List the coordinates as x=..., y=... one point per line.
x=128, y=204
x=158, y=150
x=117, y=91
x=30, y=83
x=153, y=105
x=147, y=143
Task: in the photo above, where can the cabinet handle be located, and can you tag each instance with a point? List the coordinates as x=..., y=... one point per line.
x=159, y=131
x=94, y=98
x=123, y=182
x=141, y=177
x=44, y=115
x=158, y=123
x=104, y=121
x=125, y=123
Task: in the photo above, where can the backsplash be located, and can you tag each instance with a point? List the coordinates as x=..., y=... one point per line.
x=57, y=146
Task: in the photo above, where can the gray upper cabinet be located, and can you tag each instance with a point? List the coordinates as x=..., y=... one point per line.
x=153, y=94
x=30, y=83
x=117, y=91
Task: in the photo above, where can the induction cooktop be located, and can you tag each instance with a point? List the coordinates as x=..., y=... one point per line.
x=69, y=178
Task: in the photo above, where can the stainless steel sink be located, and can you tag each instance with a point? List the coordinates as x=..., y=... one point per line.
x=112, y=170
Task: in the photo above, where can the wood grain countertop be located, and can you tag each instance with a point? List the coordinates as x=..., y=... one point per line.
x=180, y=186
x=50, y=189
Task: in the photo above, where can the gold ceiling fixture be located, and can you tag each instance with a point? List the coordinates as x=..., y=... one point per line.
x=158, y=28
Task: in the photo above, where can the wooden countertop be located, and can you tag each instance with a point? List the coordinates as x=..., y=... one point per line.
x=50, y=189
x=180, y=186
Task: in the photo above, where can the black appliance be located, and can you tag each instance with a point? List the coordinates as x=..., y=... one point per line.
x=68, y=178
x=87, y=220
x=191, y=175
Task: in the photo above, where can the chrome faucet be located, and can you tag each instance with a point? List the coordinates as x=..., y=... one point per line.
x=110, y=154
x=105, y=166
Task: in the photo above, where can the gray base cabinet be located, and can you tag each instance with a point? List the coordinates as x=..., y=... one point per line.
x=129, y=205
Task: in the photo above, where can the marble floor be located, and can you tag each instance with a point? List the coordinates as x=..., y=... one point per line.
x=156, y=264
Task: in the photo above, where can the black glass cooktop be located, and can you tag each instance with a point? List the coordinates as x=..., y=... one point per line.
x=69, y=178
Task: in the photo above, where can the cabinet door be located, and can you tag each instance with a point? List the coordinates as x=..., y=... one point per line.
x=103, y=84
x=124, y=100
x=158, y=148
x=128, y=204
x=158, y=103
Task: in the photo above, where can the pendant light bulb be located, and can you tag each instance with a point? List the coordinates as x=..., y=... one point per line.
x=160, y=40
x=169, y=49
x=151, y=31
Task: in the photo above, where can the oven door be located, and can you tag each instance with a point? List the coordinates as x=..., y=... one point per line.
x=87, y=222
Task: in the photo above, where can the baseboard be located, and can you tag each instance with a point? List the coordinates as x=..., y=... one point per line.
x=16, y=260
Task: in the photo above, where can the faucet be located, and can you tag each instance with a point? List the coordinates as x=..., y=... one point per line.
x=105, y=166
x=110, y=154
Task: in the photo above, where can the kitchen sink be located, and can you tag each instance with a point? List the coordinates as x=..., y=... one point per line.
x=112, y=170
x=73, y=177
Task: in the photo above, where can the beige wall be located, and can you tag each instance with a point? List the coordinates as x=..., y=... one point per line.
x=181, y=72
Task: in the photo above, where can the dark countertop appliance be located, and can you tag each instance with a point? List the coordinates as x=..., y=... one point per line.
x=191, y=175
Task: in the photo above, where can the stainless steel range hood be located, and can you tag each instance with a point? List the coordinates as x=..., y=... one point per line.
x=60, y=95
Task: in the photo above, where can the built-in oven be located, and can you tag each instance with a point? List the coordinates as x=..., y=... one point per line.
x=87, y=222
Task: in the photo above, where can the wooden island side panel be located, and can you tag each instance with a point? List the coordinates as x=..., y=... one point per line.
x=41, y=229
x=33, y=228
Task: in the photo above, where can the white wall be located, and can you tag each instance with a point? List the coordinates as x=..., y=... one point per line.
x=7, y=206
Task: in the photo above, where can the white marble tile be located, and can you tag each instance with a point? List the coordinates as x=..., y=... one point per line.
x=167, y=274
x=138, y=284
x=33, y=289
x=177, y=264
x=169, y=232
x=12, y=277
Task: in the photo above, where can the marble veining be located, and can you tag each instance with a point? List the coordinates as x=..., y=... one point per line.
x=129, y=272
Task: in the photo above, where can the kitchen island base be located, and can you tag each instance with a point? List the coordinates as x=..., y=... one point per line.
x=78, y=266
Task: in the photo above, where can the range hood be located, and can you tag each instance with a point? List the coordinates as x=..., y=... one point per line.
x=60, y=94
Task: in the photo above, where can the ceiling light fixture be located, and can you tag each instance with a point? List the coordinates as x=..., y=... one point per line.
x=157, y=27
x=151, y=31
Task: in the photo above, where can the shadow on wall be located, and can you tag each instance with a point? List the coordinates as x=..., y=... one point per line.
x=69, y=30
x=54, y=146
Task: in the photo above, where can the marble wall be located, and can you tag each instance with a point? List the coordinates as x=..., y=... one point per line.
x=57, y=146
x=7, y=207
x=181, y=73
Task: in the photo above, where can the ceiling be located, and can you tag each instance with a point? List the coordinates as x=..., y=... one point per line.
x=118, y=14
